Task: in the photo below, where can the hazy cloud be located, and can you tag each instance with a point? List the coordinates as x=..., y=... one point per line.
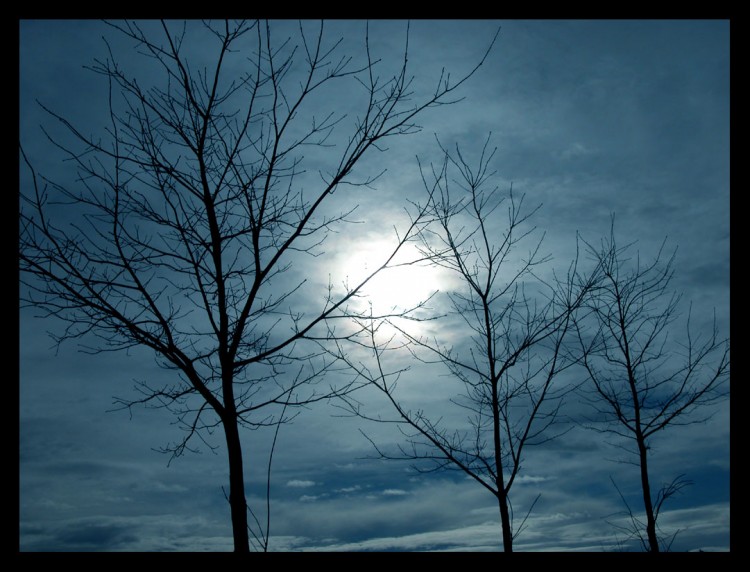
x=394, y=492
x=346, y=490
x=300, y=484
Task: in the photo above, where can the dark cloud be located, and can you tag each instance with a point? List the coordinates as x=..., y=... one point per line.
x=87, y=536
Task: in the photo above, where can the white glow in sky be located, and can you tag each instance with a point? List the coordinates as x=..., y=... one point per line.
x=402, y=285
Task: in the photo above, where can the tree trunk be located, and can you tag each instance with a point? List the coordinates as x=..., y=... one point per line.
x=502, y=494
x=653, y=541
x=237, y=501
x=502, y=501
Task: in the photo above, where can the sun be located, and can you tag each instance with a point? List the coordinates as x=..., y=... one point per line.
x=403, y=284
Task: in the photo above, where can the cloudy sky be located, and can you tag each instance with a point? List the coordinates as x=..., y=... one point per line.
x=589, y=118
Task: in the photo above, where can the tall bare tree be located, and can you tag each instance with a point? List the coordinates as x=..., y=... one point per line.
x=642, y=380
x=510, y=349
x=192, y=209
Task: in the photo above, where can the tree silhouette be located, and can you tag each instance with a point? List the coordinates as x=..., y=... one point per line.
x=642, y=380
x=191, y=211
x=510, y=349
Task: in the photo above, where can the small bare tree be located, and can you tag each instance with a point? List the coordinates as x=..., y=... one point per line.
x=642, y=381
x=511, y=347
x=192, y=210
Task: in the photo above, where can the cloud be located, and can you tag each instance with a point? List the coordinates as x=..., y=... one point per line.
x=163, y=533
x=300, y=484
x=346, y=466
x=346, y=490
x=481, y=538
x=576, y=150
x=168, y=488
x=706, y=527
x=93, y=535
x=394, y=493
x=313, y=498
x=531, y=479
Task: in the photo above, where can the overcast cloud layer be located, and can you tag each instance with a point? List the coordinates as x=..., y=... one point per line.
x=589, y=118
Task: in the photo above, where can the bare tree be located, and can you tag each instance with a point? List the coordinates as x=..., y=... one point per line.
x=643, y=381
x=515, y=324
x=192, y=210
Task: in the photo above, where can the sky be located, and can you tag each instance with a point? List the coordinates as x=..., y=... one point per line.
x=589, y=118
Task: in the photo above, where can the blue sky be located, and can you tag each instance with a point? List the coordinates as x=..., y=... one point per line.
x=589, y=118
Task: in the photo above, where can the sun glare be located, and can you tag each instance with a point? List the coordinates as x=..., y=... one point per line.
x=402, y=285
